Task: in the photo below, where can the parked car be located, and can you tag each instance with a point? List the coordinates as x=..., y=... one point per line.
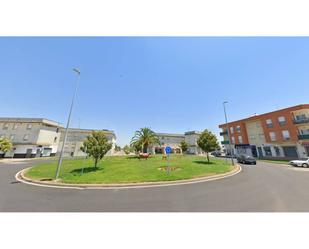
x=303, y=162
x=246, y=159
x=216, y=153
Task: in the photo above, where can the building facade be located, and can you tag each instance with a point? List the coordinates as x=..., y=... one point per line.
x=75, y=140
x=173, y=140
x=279, y=134
x=31, y=137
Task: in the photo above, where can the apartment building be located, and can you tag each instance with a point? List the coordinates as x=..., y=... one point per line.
x=173, y=140
x=75, y=140
x=31, y=137
x=278, y=134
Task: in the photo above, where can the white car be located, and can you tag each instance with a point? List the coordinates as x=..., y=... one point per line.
x=303, y=162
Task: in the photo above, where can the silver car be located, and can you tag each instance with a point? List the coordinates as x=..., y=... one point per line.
x=303, y=162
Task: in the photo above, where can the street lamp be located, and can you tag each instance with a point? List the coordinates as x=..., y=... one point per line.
x=68, y=123
x=228, y=131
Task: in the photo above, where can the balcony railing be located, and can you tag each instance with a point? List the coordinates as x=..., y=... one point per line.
x=301, y=137
x=223, y=133
x=225, y=142
x=301, y=121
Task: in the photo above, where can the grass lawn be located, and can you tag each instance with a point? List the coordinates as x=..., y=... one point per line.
x=129, y=169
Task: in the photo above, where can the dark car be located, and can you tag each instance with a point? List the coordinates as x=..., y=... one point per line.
x=216, y=153
x=246, y=159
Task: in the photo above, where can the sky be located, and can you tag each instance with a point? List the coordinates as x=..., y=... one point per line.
x=170, y=84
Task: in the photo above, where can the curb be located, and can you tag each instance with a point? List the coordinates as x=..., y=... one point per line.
x=22, y=178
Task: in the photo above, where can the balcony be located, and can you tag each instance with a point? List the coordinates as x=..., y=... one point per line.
x=225, y=142
x=301, y=121
x=302, y=137
x=223, y=133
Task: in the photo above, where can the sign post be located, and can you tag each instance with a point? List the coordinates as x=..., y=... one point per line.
x=168, y=151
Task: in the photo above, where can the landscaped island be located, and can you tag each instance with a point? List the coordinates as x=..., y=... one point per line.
x=129, y=169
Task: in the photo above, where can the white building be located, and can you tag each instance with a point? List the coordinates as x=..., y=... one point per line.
x=75, y=140
x=174, y=140
x=31, y=137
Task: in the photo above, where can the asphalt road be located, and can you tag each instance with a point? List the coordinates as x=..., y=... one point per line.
x=261, y=187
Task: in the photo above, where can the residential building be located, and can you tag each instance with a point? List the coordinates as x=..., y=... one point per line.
x=75, y=140
x=278, y=134
x=31, y=137
x=173, y=140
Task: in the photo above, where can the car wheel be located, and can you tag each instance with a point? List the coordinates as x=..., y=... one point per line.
x=305, y=165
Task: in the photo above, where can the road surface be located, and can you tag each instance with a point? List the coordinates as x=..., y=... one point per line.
x=261, y=187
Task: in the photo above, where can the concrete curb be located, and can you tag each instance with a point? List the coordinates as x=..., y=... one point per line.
x=22, y=178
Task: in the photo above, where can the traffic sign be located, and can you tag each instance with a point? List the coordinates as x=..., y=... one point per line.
x=168, y=150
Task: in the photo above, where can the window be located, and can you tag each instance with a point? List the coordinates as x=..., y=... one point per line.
x=304, y=132
x=26, y=137
x=272, y=136
x=233, y=140
x=29, y=126
x=286, y=135
x=238, y=128
x=240, y=139
x=277, y=150
x=5, y=126
x=262, y=136
x=252, y=137
x=15, y=126
x=269, y=123
x=232, y=129
x=282, y=121
x=301, y=117
x=12, y=136
x=267, y=151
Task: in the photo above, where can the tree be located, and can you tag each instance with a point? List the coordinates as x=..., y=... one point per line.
x=144, y=137
x=127, y=149
x=184, y=145
x=5, y=145
x=117, y=147
x=208, y=142
x=136, y=146
x=96, y=146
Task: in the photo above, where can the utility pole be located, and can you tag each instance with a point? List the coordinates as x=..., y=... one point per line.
x=68, y=123
x=228, y=131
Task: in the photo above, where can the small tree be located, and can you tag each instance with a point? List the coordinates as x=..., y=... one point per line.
x=127, y=149
x=5, y=145
x=184, y=146
x=96, y=146
x=136, y=147
x=208, y=142
x=117, y=147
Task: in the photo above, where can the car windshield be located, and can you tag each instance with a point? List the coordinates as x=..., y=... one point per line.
x=305, y=159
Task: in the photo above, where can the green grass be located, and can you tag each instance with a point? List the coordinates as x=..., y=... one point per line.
x=129, y=169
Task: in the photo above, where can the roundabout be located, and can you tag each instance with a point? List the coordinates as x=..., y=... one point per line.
x=189, y=169
x=265, y=187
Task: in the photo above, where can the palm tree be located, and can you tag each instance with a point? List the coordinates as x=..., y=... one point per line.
x=145, y=137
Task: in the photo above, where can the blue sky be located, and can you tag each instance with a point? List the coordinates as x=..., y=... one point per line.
x=171, y=84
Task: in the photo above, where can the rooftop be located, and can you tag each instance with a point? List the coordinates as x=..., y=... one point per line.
x=29, y=120
x=169, y=135
x=255, y=117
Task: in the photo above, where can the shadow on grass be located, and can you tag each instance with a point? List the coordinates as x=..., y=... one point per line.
x=132, y=157
x=86, y=170
x=204, y=162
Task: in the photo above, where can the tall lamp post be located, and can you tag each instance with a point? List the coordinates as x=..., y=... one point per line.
x=228, y=131
x=68, y=123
